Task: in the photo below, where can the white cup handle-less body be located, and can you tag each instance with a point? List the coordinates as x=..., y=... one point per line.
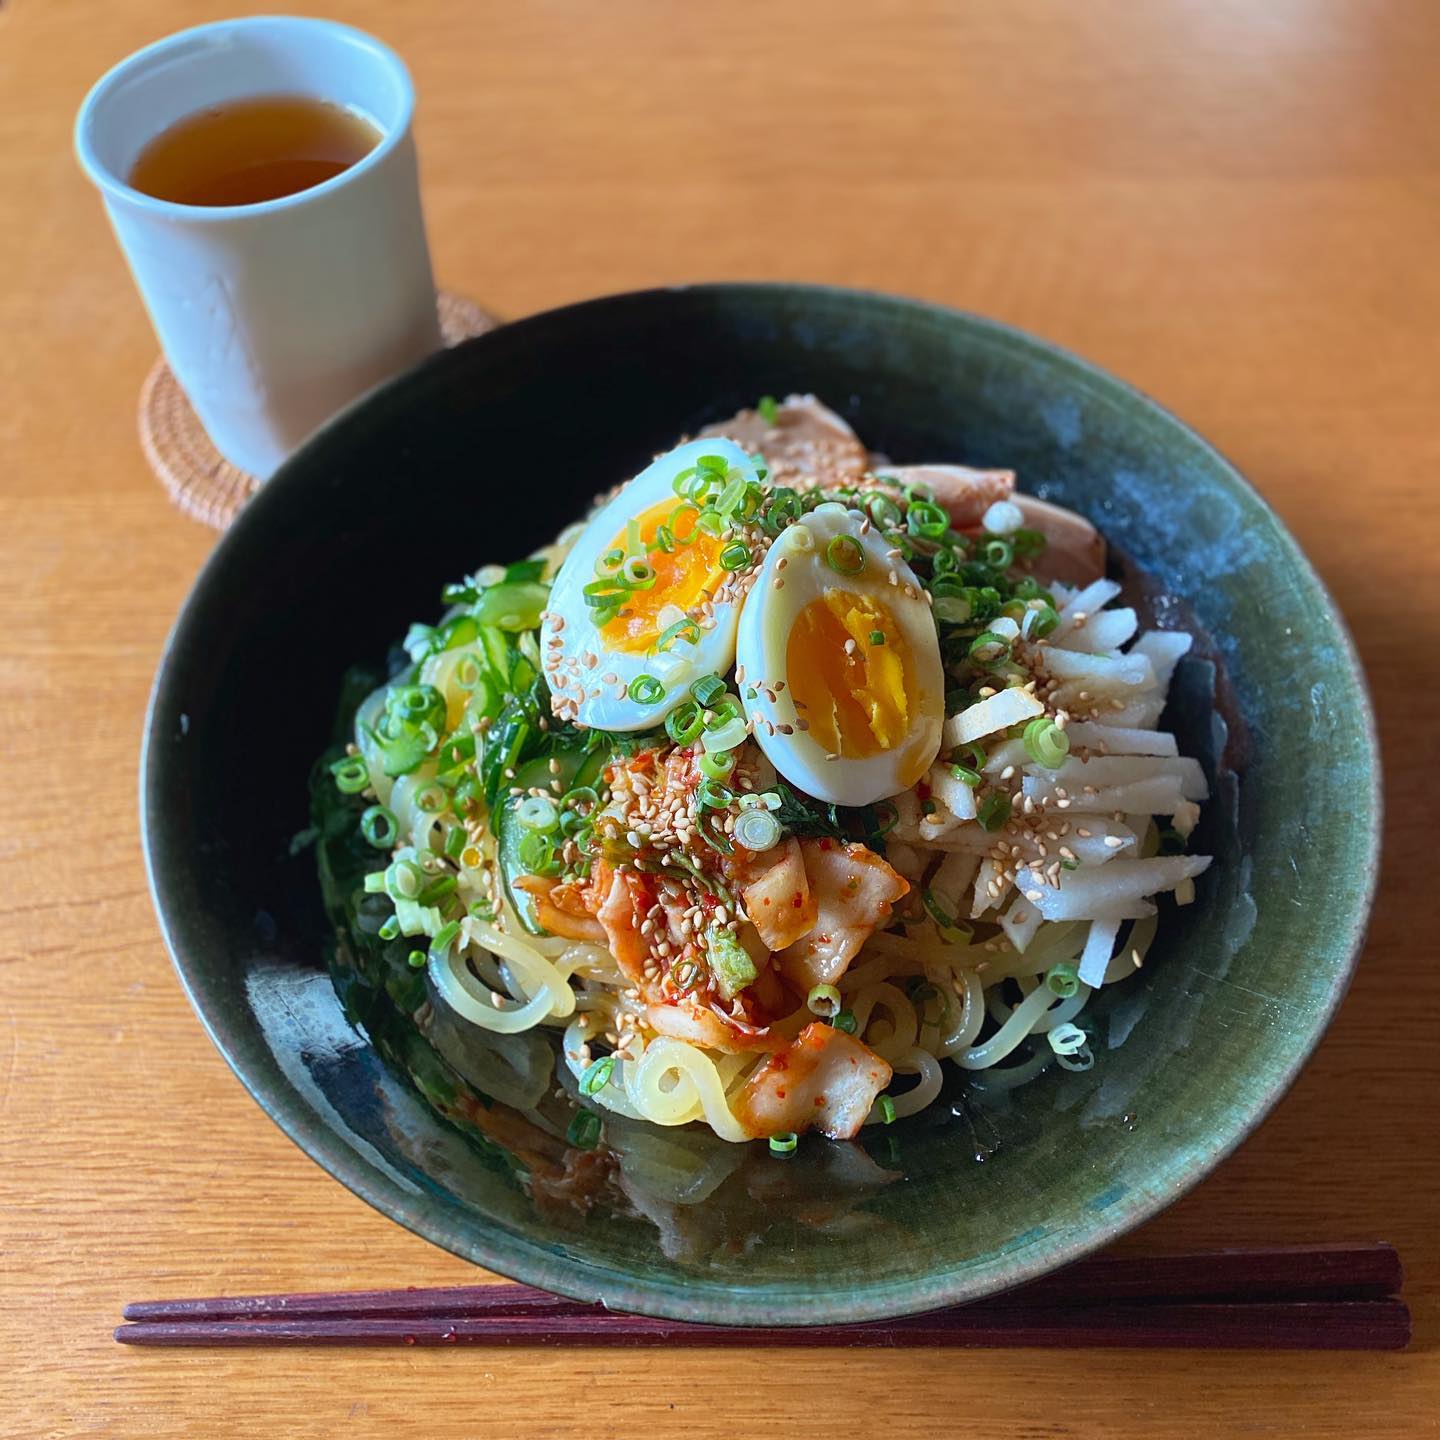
x=276, y=315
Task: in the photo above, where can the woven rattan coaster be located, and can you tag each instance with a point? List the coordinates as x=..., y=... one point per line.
x=200, y=480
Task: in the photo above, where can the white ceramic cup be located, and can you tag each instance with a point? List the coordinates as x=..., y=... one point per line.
x=273, y=316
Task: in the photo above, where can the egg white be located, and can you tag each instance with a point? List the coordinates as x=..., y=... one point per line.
x=797, y=560
x=579, y=668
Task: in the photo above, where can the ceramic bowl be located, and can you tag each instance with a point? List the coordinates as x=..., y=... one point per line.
x=487, y=450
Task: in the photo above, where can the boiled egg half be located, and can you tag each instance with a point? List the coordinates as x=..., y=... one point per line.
x=838, y=662
x=668, y=597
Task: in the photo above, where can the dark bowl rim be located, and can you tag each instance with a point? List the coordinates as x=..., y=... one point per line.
x=591, y=1281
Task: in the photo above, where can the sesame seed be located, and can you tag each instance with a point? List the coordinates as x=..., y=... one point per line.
x=1113, y=842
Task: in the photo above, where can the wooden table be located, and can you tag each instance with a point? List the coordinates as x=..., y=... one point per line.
x=1234, y=204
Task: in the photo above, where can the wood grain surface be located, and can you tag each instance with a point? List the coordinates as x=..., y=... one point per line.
x=1234, y=204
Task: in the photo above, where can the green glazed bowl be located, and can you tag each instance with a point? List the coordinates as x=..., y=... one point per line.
x=485, y=451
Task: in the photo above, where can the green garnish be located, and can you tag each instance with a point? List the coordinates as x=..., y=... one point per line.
x=1046, y=743
x=844, y=555
x=380, y=827
x=646, y=690
x=994, y=810
x=596, y=1076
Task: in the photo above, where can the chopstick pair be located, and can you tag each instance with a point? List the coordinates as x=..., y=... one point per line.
x=1338, y=1297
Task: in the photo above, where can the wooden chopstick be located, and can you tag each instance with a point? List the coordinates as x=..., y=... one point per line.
x=1272, y=1273
x=1301, y=1325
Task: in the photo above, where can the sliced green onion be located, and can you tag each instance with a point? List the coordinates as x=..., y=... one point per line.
x=430, y=798
x=468, y=674
x=713, y=796
x=610, y=564
x=883, y=510
x=723, y=712
x=887, y=1110
x=646, y=690
x=726, y=736
x=404, y=880
x=583, y=1132
x=351, y=774
x=443, y=938
x=988, y=648
x=679, y=513
x=757, y=830
x=785, y=508
x=769, y=409
x=927, y=520
x=824, y=1000
x=639, y=573
x=735, y=556
x=998, y=554
x=391, y=928
x=380, y=827
x=687, y=630
x=1063, y=980
x=717, y=765
x=686, y=975
x=455, y=842
x=966, y=776
x=596, y=1076
x=994, y=810
x=684, y=723
x=845, y=1020
x=707, y=688
x=1066, y=1039
x=536, y=854
x=877, y=637
x=538, y=812
x=784, y=1144
x=844, y=555
x=375, y=883
x=416, y=959
x=1047, y=618
x=1046, y=743
x=1030, y=589
x=730, y=497
x=715, y=464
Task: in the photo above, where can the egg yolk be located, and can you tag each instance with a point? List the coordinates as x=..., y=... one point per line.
x=851, y=674
x=686, y=576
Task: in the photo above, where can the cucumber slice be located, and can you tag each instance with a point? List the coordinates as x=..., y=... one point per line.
x=592, y=767
x=508, y=830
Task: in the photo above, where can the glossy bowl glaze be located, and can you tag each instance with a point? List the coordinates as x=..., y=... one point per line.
x=483, y=452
